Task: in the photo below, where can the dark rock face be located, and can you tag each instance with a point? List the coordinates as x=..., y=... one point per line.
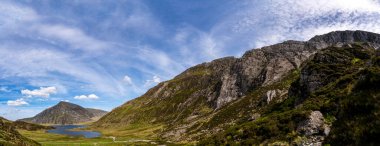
x=314, y=128
x=313, y=125
x=329, y=64
x=64, y=113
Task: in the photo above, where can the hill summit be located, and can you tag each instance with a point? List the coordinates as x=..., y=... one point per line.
x=66, y=113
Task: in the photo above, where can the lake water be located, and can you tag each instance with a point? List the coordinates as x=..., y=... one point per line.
x=65, y=129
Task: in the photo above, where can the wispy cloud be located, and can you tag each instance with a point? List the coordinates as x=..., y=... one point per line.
x=75, y=37
x=4, y=89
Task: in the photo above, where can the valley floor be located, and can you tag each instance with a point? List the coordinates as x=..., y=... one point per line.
x=49, y=139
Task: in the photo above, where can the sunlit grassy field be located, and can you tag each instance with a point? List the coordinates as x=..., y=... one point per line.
x=133, y=135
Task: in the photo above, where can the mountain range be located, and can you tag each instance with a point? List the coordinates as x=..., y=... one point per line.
x=324, y=90
x=65, y=113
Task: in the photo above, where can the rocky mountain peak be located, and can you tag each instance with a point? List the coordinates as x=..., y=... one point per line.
x=64, y=103
x=65, y=113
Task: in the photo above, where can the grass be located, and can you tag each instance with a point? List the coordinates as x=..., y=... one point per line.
x=133, y=131
x=50, y=139
x=133, y=134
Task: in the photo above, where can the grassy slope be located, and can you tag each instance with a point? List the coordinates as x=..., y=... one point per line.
x=10, y=137
x=349, y=100
x=154, y=115
x=49, y=139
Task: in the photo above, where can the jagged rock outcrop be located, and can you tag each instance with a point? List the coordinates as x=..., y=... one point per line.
x=346, y=37
x=264, y=66
x=272, y=94
x=65, y=113
x=313, y=125
x=314, y=129
x=261, y=67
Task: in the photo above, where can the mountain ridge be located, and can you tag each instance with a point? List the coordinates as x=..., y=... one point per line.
x=210, y=97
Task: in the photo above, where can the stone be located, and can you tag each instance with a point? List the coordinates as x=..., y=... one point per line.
x=313, y=125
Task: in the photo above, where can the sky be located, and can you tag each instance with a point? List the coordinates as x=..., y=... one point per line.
x=100, y=54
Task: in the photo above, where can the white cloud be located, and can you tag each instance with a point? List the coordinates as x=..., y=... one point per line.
x=42, y=92
x=86, y=97
x=17, y=102
x=4, y=89
x=127, y=80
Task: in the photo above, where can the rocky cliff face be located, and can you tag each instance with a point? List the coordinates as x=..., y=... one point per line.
x=261, y=67
x=65, y=113
x=335, y=92
x=207, y=99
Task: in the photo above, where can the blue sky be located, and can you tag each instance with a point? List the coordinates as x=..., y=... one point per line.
x=102, y=53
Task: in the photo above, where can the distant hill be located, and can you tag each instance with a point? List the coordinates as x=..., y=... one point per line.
x=65, y=113
x=97, y=112
x=10, y=137
x=30, y=126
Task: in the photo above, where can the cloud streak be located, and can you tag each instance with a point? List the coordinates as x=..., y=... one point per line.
x=75, y=37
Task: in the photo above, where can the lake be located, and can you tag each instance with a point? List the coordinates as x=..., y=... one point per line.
x=65, y=129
